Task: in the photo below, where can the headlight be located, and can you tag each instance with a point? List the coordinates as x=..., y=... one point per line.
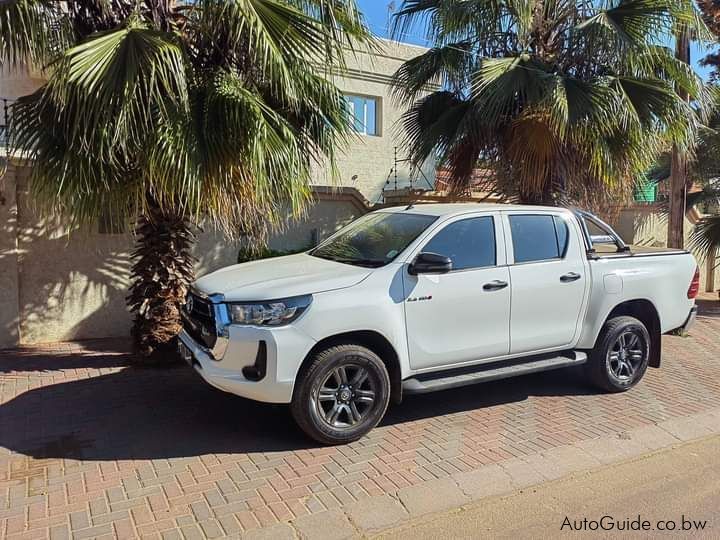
x=273, y=313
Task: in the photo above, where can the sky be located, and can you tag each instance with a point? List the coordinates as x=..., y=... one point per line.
x=377, y=15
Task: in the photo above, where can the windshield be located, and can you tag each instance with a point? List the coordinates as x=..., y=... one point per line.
x=374, y=240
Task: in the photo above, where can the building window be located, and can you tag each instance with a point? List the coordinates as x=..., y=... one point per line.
x=364, y=113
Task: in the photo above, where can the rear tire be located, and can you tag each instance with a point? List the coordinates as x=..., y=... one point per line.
x=621, y=355
x=341, y=394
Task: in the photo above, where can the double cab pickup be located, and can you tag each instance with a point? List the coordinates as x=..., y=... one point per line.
x=433, y=297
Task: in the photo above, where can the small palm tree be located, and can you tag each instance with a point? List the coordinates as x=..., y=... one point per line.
x=566, y=100
x=175, y=112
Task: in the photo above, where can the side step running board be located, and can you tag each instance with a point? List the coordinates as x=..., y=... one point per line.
x=444, y=380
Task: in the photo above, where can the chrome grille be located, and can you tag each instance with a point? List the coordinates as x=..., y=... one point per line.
x=198, y=317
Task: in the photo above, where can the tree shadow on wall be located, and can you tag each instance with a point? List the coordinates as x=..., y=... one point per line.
x=71, y=284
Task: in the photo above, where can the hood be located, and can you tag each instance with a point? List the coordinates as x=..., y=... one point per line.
x=280, y=277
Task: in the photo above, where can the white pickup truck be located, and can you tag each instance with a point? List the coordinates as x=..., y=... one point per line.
x=431, y=297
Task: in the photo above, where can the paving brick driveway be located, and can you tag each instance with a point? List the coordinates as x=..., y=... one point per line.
x=91, y=447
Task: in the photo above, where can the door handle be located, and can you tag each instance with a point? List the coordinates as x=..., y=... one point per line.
x=495, y=285
x=570, y=276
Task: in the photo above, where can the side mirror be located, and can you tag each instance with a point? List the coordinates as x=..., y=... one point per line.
x=430, y=263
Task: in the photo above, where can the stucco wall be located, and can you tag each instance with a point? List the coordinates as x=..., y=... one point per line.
x=61, y=285
x=647, y=226
x=70, y=286
x=9, y=286
x=58, y=285
x=644, y=225
x=322, y=220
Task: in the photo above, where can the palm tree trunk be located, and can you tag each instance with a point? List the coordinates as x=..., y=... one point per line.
x=678, y=195
x=162, y=274
x=678, y=167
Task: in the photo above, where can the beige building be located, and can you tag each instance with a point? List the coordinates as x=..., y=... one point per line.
x=57, y=284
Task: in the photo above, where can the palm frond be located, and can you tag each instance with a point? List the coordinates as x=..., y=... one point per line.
x=432, y=124
x=634, y=23
x=502, y=83
x=32, y=32
x=263, y=36
x=449, y=65
x=344, y=26
x=124, y=81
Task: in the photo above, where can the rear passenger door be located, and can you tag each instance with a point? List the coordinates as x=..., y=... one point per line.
x=548, y=277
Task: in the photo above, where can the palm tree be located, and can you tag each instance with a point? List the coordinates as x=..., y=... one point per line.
x=566, y=100
x=703, y=170
x=175, y=112
x=680, y=180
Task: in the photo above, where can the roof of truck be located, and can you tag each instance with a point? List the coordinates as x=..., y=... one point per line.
x=447, y=209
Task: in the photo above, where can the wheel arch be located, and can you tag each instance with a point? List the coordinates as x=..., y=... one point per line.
x=372, y=340
x=646, y=312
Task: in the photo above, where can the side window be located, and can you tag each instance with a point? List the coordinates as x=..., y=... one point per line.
x=538, y=237
x=470, y=243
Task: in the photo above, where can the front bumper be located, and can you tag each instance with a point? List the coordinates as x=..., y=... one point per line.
x=287, y=343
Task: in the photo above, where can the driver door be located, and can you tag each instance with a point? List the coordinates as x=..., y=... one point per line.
x=462, y=315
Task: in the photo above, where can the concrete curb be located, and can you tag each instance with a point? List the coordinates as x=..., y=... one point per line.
x=372, y=515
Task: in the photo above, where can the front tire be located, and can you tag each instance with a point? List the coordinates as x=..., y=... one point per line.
x=621, y=355
x=341, y=394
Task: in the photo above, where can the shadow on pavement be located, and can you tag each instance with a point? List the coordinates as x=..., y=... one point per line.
x=150, y=414
x=708, y=307
x=29, y=361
